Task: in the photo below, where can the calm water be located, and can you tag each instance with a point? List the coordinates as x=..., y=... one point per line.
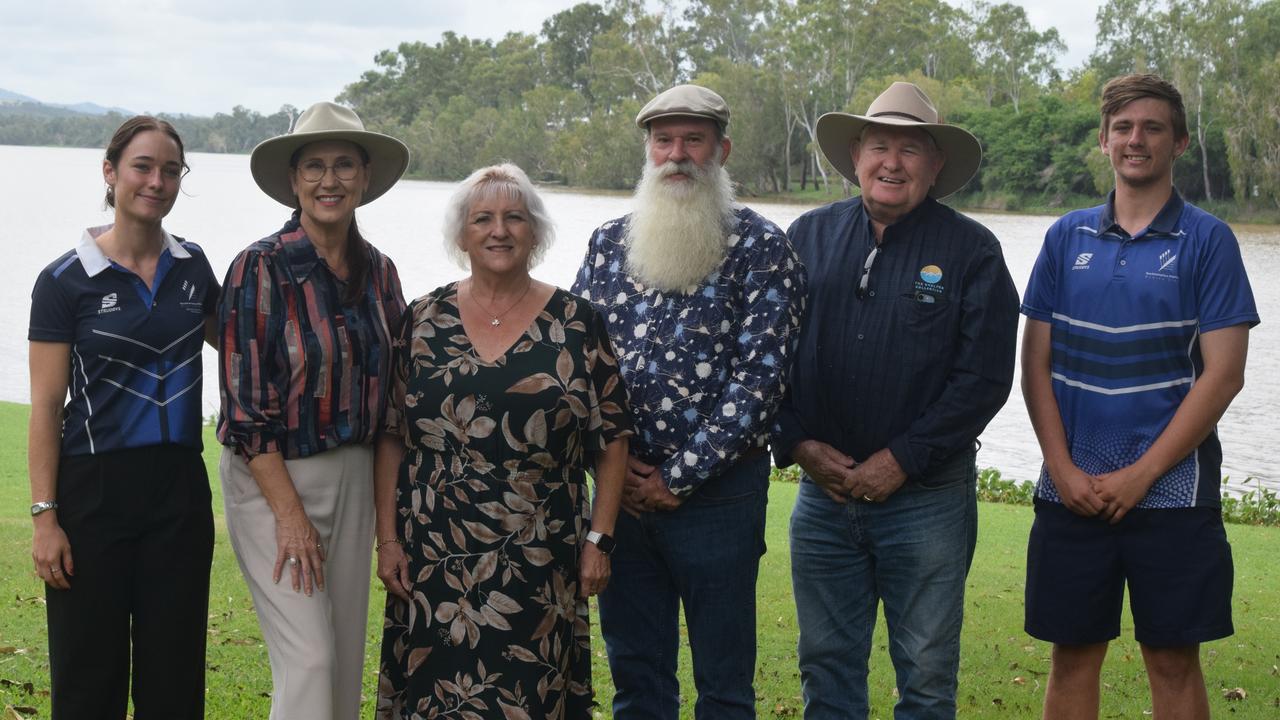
x=51, y=194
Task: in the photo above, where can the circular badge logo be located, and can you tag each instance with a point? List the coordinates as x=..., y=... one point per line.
x=931, y=274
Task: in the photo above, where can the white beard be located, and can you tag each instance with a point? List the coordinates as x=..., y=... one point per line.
x=679, y=231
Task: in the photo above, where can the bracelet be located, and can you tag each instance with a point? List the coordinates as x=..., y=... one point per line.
x=378, y=545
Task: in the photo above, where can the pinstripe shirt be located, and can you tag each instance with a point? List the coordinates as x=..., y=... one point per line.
x=300, y=371
x=923, y=360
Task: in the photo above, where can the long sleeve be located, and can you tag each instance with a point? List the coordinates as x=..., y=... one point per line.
x=774, y=289
x=981, y=374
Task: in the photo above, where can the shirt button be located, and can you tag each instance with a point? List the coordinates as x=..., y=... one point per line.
x=860, y=336
x=872, y=293
x=1124, y=262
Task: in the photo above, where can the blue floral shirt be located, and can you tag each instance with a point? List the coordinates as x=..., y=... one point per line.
x=706, y=369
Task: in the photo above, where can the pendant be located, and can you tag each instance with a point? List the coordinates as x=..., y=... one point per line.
x=494, y=322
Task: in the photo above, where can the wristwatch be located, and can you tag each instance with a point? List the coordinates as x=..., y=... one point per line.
x=602, y=541
x=43, y=506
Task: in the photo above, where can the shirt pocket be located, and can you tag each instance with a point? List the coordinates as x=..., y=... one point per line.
x=925, y=312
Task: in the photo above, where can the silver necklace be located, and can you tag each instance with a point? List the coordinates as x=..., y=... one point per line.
x=495, y=319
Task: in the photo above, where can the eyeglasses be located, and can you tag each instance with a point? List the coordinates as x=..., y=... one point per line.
x=314, y=170
x=865, y=280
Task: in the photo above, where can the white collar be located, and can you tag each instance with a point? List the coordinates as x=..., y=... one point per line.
x=95, y=261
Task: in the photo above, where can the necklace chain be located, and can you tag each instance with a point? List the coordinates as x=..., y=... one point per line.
x=495, y=318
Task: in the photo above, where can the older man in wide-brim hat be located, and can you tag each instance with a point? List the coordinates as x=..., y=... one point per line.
x=907, y=354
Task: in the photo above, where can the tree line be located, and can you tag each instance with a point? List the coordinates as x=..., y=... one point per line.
x=561, y=103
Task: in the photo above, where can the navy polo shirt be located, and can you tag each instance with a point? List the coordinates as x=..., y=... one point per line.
x=135, y=352
x=1126, y=314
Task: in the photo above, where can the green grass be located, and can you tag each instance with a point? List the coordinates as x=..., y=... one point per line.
x=1002, y=671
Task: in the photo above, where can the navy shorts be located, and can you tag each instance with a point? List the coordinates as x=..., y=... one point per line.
x=1177, y=564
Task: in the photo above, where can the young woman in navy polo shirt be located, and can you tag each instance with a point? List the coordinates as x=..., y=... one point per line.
x=123, y=526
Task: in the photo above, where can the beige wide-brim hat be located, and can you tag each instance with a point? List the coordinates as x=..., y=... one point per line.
x=269, y=163
x=904, y=104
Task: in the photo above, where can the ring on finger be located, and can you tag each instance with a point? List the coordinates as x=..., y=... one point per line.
x=54, y=570
x=867, y=498
x=293, y=560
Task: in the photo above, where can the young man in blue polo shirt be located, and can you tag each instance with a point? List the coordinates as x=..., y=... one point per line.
x=1138, y=316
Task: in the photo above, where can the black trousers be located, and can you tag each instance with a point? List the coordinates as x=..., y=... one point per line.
x=140, y=526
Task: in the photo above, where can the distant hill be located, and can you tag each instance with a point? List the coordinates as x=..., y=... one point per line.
x=12, y=103
x=7, y=96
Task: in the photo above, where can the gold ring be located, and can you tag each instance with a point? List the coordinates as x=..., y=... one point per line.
x=867, y=498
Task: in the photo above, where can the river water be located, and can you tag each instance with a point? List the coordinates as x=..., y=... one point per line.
x=49, y=195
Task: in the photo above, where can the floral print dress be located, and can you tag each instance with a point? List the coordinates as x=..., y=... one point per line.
x=492, y=507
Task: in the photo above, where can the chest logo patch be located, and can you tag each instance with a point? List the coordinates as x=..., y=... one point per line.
x=109, y=304
x=1166, y=266
x=930, y=282
x=1082, y=261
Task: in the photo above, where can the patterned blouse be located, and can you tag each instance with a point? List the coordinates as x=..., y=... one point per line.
x=300, y=371
x=705, y=370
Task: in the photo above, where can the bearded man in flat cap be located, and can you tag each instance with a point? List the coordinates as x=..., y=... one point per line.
x=702, y=298
x=906, y=355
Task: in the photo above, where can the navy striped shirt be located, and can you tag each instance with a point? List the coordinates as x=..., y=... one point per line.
x=135, y=351
x=919, y=364
x=1126, y=315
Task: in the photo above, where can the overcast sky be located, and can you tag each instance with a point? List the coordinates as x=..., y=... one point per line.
x=204, y=57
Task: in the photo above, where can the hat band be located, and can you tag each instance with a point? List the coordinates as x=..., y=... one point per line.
x=908, y=116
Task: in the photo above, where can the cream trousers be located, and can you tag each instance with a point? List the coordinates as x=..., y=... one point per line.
x=316, y=643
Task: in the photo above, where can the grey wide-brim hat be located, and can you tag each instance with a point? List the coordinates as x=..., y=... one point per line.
x=686, y=101
x=904, y=104
x=269, y=163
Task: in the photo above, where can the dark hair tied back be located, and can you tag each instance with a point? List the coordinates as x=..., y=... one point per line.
x=127, y=132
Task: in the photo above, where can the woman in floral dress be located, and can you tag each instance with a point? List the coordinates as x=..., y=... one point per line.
x=488, y=542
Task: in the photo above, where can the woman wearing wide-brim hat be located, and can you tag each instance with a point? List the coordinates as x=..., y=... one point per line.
x=307, y=318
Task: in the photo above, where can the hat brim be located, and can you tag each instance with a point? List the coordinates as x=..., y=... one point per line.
x=963, y=152
x=269, y=163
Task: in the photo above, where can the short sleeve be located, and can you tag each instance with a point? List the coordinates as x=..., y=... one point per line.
x=610, y=410
x=1223, y=294
x=53, y=313
x=1041, y=295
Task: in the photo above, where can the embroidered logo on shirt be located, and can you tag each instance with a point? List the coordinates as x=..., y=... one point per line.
x=928, y=284
x=1082, y=261
x=191, y=305
x=108, y=304
x=1168, y=268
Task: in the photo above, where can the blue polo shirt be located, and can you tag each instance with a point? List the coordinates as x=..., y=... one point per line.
x=135, y=351
x=1126, y=314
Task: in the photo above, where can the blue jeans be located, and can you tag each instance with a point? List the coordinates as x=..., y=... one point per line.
x=913, y=552
x=706, y=555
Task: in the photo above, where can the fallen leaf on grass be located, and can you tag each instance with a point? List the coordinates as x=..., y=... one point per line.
x=26, y=687
x=1019, y=680
x=1235, y=694
x=18, y=712
x=8, y=650
x=239, y=641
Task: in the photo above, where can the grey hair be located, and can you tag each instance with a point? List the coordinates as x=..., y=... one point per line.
x=510, y=181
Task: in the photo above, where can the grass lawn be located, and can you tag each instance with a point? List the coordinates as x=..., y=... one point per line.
x=1002, y=670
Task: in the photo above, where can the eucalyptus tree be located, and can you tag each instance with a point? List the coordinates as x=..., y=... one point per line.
x=1012, y=55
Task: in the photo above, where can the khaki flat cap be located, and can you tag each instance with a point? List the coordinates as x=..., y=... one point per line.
x=688, y=100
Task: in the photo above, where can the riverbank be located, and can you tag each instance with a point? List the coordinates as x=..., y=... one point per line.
x=1002, y=670
x=1256, y=218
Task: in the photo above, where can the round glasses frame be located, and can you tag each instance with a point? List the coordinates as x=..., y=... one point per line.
x=314, y=171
